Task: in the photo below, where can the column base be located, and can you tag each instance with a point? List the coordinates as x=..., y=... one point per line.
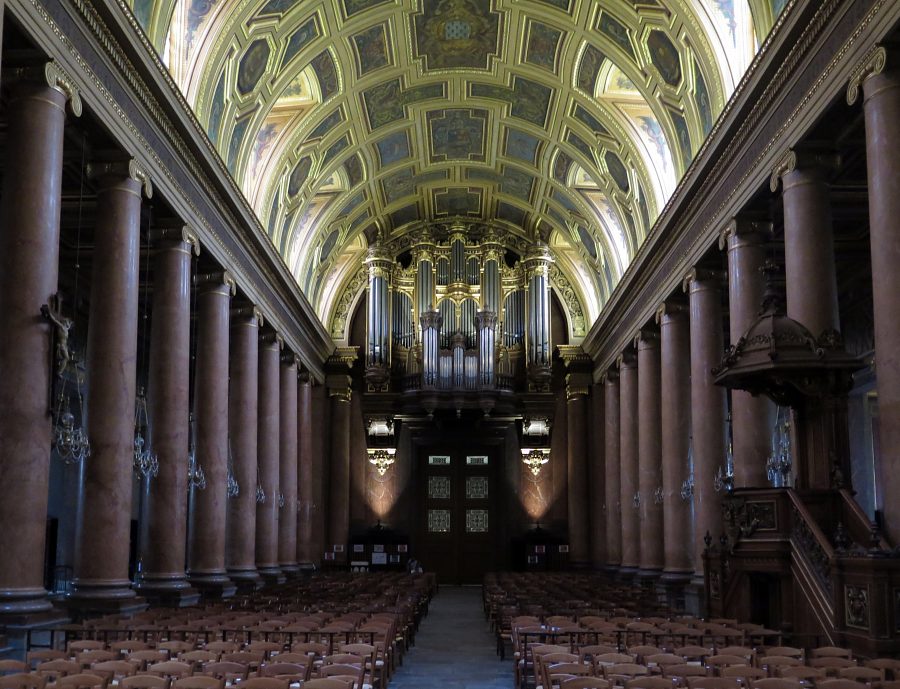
x=100, y=596
x=246, y=580
x=291, y=570
x=675, y=584
x=24, y=601
x=271, y=575
x=627, y=573
x=169, y=591
x=306, y=569
x=214, y=585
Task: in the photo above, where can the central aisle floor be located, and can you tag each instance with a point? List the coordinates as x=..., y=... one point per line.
x=454, y=647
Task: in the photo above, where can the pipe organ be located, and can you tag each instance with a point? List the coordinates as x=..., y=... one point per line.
x=462, y=314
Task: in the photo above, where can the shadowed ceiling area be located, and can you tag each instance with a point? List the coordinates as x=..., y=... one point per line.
x=569, y=121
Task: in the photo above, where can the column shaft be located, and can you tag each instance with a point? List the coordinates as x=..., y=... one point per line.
x=168, y=387
x=104, y=523
x=29, y=257
x=882, y=112
x=287, y=468
x=268, y=452
x=597, y=492
x=206, y=559
x=339, y=488
x=751, y=431
x=675, y=422
x=649, y=462
x=579, y=543
x=628, y=452
x=240, y=542
x=614, y=501
x=305, y=553
x=708, y=404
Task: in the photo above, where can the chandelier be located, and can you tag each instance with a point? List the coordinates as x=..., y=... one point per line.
x=69, y=440
x=381, y=458
x=196, y=475
x=534, y=459
x=145, y=461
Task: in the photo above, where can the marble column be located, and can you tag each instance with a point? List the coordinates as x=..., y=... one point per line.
x=708, y=406
x=597, y=478
x=243, y=400
x=675, y=425
x=578, y=381
x=320, y=469
x=305, y=553
x=163, y=554
x=612, y=436
x=821, y=430
x=649, y=458
x=206, y=542
x=751, y=430
x=288, y=458
x=104, y=516
x=268, y=457
x=29, y=258
x=880, y=80
x=339, y=488
x=628, y=453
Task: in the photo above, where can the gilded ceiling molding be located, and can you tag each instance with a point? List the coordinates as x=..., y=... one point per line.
x=341, y=313
x=569, y=297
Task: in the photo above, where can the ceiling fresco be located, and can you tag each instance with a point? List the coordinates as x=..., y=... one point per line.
x=565, y=120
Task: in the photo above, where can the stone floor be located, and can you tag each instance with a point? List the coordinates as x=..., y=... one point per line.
x=454, y=647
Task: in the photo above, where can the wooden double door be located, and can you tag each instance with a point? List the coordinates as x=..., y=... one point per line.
x=457, y=521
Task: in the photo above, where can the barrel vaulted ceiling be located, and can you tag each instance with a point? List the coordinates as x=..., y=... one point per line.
x=566, y=120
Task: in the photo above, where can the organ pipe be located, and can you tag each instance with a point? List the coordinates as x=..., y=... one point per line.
x=431, y=322
x=537, y=340
x=379, y=308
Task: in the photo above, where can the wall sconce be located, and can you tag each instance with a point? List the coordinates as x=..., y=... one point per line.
x=535, y=458
x=381, y=458
x=536, y=427
x=380, y=428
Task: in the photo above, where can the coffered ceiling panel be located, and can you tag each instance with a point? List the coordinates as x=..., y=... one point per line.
x=566, y=120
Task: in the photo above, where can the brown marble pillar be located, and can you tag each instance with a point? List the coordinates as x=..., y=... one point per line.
x=751, y=430
x=29, y=257
x=268, y=457
x=708, y=407
x=243, y=399
x=164, y=579
x=597, y=477
x=880, y=81
x=206, y=545
x=675, y=424
x=288, y=458
x=578, y=380
x=338, y=382
x=649, y=458
x=320, y=470
x=104, y=518
x=628, y=453
x=305, y=554
x=614, y=503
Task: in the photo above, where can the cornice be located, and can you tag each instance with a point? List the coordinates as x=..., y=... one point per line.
x=121, y=48
x=705, y=198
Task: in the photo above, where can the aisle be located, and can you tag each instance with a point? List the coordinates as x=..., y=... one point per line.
x=454, y=647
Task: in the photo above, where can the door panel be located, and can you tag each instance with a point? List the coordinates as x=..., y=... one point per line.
x=457, y=522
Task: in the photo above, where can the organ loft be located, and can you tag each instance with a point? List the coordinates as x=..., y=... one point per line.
x=321, y=320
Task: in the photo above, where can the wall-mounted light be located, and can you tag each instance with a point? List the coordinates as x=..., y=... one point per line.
x=381, y=458
x=536, y=427
x=535, y=458
x=380, y=428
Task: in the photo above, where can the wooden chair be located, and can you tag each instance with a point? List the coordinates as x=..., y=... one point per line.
x=772, y=664
x=33, y=658
x=113, y=670
x=248, y=658
x=82, y=645
x=142, y=659
x=293, y=672
x=717, y=662
x=745, y=673
x=830, y=652
x=175, y=648
x=889, y=667
x=198, y=682
x=340, y=669
x=585, y=683
x=619, y=673
x=23, y=680
x=804, y=673
x=697, y=653
x=221, y=647
x=144, y=682
x=641, y=652
x=649, y=683
x=681, y=672
x=866, y=675
x=713, y=683
x=265, y=683
x=81, y=680
x=613, y=659
x=832, y=664
x=171, y=669
x=327, y=683
x=776, y=683
x=230, y=673
x=54, y=669
x=267, y=648
x=841, y=684
x=788, y=651
x=555, y=673
x=127, y=646
x=660, y=660
x=13, y=667
x=88, y=658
